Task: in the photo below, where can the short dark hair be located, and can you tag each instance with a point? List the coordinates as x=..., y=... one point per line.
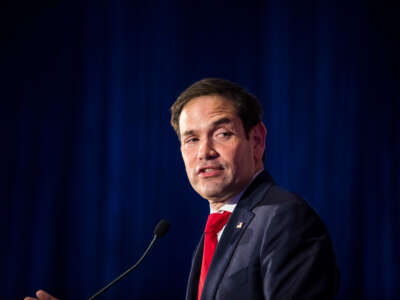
x=247, y=105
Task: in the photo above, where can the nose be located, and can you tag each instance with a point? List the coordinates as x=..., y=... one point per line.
x=206, y=150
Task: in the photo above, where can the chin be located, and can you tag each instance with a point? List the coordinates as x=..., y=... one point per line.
x=212, y=190
x=216, y=195
x=209, y=193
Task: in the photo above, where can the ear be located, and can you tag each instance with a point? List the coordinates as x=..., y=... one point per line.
x=258, y=136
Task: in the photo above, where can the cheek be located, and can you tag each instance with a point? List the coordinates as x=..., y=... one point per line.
x=189, y=162
x=240, y=158
x=233, y=157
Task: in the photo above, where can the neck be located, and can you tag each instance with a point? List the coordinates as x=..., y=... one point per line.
x=217, y=204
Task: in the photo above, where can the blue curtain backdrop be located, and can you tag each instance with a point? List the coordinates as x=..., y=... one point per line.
x=89, y=163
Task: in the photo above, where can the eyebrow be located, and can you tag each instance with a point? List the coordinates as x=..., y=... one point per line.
x=221, y=121
x=216, y=123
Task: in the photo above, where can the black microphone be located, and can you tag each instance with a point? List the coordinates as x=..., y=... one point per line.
x=160, y=230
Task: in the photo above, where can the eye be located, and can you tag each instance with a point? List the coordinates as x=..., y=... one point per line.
x=191, y=140
x=224, y=134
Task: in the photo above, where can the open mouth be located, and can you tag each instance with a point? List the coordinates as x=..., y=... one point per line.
x=210, y=171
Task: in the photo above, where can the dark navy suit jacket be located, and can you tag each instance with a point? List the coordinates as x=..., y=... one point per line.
x=274, y=246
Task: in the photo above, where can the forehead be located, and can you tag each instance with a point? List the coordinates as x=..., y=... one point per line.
x=204, y=110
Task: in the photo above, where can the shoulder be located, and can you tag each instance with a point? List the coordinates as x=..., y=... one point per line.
x=264, y=193
x=278, y=211
x=284, y=212
x=292, y=245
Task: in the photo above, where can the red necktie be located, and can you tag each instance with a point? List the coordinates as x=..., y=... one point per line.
x=215, y=223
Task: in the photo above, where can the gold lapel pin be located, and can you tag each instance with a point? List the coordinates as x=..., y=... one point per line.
x=239, y=225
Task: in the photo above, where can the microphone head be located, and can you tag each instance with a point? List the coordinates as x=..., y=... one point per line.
x=161, y=228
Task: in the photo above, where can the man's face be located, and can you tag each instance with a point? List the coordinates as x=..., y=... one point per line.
x=219, y=159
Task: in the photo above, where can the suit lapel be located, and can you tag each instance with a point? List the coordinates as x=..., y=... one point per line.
x=236, y=226
x=233, y=231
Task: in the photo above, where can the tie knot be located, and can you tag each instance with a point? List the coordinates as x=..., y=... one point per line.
x=216, y=222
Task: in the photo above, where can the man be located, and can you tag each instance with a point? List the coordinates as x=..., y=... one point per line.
x=261, y=242
x=273, y=246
